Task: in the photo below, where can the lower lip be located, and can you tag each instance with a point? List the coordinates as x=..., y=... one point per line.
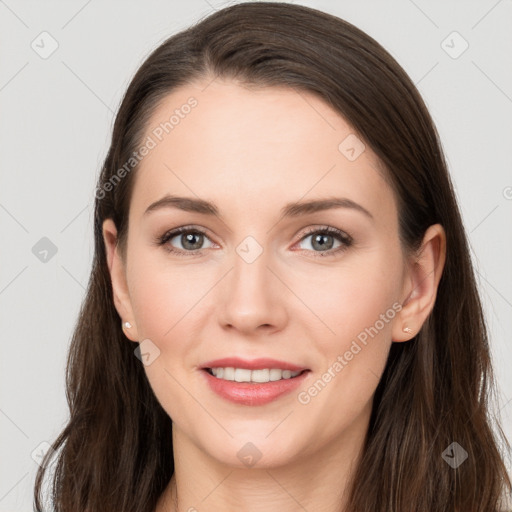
x=247, y=393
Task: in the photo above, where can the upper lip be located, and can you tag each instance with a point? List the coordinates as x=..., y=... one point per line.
x=254, y=364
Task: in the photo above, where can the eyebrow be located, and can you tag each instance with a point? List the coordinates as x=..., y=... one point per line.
x=295, y=209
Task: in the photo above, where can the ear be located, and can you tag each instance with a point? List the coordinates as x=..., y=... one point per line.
x=117, y=271
x=420, y=286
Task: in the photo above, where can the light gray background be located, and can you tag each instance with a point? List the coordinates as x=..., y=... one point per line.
x=55, y=125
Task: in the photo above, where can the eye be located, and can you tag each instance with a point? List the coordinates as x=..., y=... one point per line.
x=323, y=241
x=189, y=240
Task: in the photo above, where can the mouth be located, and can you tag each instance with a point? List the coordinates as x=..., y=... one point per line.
x=253, y=387
x=257, y=376
x=255, y=371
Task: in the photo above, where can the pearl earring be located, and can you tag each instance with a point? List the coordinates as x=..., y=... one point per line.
x=408, y=330
x=127, y=325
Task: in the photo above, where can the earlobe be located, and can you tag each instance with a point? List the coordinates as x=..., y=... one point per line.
x=420, y=290
x=116, y=268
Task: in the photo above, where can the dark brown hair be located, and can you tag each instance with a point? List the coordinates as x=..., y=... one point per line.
x=116, y=454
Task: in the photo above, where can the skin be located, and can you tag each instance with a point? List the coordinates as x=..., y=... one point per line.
x=251, y=151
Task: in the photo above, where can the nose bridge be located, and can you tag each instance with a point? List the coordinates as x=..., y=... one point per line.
x=250, y=266
x=250, y=295
x=250, y=277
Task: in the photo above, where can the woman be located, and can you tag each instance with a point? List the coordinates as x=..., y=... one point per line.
x=282, y=312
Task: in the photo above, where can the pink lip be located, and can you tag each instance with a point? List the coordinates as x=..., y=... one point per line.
x=247, y=393
x=255, y=364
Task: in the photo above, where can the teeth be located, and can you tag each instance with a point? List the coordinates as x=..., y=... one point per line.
x=259, y=376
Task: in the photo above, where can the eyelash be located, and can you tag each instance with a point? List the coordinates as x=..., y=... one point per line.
x=341, y=236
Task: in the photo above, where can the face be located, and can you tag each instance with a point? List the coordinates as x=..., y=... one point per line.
x=318, y=288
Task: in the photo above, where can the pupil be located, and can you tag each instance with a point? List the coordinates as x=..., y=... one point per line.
x=320, y=239
x=189, y=238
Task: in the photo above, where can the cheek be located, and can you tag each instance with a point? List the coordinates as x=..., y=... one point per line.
x=358, y=305
x=165, y=299
x=352, y=297
x=162, y=295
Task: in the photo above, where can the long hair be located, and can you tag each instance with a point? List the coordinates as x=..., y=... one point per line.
x=115, y=452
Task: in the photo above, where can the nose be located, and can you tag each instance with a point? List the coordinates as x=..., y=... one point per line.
x=252, y=298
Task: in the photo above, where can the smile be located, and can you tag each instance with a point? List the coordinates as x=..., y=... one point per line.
x=248, y=390
x=254, y=376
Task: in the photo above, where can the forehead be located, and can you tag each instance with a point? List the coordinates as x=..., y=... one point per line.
x=255, y=149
